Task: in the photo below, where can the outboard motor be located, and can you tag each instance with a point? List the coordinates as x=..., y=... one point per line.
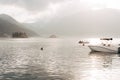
x=119, y=50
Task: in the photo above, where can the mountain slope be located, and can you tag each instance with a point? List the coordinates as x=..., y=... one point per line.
x=8, y=25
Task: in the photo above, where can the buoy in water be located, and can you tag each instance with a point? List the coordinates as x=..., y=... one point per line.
x=41, y=48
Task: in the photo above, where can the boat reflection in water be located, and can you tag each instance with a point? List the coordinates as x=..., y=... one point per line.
x=104, y=58
x=102, y=66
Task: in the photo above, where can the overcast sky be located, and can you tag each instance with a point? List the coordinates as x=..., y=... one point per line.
x=63, y=14
x=33, y=10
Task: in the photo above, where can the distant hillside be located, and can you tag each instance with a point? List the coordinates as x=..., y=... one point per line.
x=103, y=22
x=8, y=25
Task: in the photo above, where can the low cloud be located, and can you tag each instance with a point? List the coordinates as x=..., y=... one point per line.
x=31, y=5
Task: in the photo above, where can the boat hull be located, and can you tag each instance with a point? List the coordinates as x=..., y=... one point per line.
x=103, y=49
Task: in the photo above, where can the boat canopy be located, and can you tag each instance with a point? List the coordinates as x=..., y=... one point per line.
x=106, y=39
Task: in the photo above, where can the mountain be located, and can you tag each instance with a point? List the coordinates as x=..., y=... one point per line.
x=93, y=23
x=8, y=26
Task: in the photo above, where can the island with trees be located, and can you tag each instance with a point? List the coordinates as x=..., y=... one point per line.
x=19, y=35
x=52, y=36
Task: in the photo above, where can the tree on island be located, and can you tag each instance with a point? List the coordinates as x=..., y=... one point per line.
x=19, y=35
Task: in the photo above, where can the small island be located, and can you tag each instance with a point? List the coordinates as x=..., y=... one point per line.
x=19, y=35
x=52, y=36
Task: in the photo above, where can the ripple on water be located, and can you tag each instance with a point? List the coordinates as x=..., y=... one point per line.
x=60, y=60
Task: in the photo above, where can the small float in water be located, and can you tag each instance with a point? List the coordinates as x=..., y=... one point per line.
x=83, y=43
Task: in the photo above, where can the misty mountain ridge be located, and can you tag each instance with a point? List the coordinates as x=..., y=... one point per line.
x=8, y=26
x=7, y=18
x=91, y=23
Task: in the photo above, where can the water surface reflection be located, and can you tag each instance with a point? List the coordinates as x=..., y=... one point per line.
x=60, y=60
x=103, y=66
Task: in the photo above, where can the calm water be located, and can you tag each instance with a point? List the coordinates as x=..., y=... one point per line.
x=59, y=60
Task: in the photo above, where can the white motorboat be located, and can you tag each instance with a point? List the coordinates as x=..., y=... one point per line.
x=105, y=47
x=110, y=49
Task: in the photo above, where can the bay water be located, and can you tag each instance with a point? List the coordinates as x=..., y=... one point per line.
x=60, y=59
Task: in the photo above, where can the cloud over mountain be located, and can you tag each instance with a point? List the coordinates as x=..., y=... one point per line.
x=85, y=17
x=33, y=5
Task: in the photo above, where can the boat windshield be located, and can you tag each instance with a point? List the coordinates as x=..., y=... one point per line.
x=106, y=39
